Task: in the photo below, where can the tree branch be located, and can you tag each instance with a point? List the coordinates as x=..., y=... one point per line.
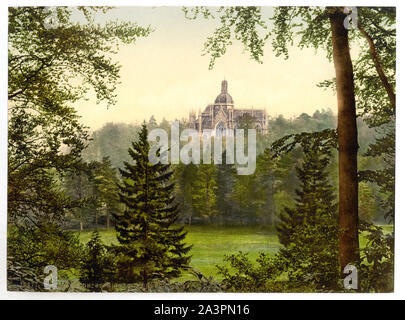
x=378, y=65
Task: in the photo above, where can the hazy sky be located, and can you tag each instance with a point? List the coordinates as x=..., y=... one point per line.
x=165, y=74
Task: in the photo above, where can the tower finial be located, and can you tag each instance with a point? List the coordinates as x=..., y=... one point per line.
x=224, y=87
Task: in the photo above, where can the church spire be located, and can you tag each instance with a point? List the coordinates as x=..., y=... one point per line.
x=224, y=86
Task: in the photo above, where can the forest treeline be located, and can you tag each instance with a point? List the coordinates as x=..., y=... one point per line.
x=214, y=194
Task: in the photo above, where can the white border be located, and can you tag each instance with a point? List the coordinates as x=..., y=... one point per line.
x=400, y=172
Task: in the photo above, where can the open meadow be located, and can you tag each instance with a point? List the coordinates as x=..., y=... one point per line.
x=212, y=243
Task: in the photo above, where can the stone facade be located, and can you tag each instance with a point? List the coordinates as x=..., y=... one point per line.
x=221, y=116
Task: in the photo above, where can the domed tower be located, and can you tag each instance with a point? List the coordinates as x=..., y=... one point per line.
x=224, y=97
x=224, y=105
x=221, y=117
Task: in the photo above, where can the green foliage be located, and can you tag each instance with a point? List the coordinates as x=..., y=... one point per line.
x=374, y=73
x=269, y=189
x=44, y=132
x=44, y=65
x=376, y=272
x=247, y=25
x=371, y=96
x=225, y=185
x=246, y=276
x=308, y=232
x=97, y=265
x=36, y=53
x=271, y=186
x=48, y=180
x=21, y=277
x=372, y=99
x=111, y=141
x=105, y=190
x=49, y=69
x=93, y=186
x=384, y=148
x=240, y=21
x=315, y=196
x=264, y=274
x=30, y=249
x=44, y=245
x=311, y=257
x=367, y=203
x=205, y=191
x=199, y=283
x=79, y=189
x=211, y=243
x=281, y=200
x=184, y=176
x=151, y=247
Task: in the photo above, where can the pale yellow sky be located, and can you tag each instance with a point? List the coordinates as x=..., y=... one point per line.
x=165, y=75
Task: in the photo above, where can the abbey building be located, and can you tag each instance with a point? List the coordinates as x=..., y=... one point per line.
x=221, y=116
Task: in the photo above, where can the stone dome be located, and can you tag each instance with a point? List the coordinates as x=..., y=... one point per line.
x=224, y=97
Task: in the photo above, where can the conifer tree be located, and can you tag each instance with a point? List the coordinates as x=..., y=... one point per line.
x=92, y=269
x=151, y=246
x=315, y=195
x=185, y=187
x=105, y=180
x=225, y=183
x=309, y=231
x=205, y=197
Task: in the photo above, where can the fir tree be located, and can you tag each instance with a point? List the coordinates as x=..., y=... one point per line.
x=225, y=182
x=309, y=231
x=205, y=197
x=185, y=187
x=151, y=246
x=315, y=195
x=92, y=269
x=105, y=180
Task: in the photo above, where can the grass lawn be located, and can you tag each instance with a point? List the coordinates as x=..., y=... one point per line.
x=211, y=244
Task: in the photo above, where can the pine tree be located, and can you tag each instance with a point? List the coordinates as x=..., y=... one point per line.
x=185, y=187
x=106, y=190
x=225, y=182
x=315, y=196
x=92, y=269
x=309, y=231
x=205, y=197
x=151, y=246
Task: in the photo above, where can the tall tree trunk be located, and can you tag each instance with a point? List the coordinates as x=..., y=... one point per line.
x=347, y=142
x=81, y=225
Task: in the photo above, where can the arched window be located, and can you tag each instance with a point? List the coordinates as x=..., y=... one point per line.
x=220, y=129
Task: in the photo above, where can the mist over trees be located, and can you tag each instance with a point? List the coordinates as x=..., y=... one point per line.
x=215, y=194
